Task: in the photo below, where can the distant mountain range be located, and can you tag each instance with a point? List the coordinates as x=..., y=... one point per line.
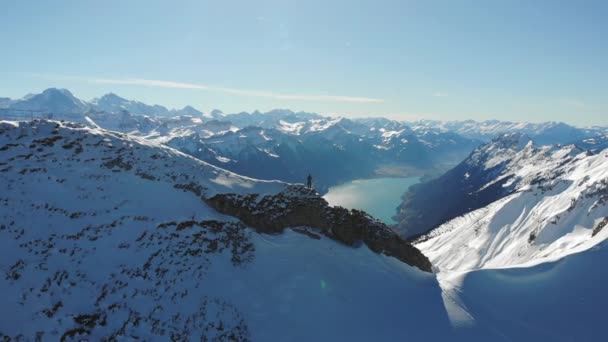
x=333, y=150
x=62, y=101
x=543, y=133
x=111, y=234
x=286, y=145
x=279, y=144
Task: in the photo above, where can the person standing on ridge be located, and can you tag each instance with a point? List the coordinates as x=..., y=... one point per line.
x=309, y=181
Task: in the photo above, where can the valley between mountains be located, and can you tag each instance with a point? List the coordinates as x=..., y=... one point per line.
x=123, y=226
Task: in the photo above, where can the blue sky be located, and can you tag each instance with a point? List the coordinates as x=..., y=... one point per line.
x=510, y=60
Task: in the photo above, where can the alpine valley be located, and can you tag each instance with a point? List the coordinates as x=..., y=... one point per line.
x=121, y=220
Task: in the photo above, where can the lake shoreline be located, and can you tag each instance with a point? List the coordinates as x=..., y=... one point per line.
x=379, y=196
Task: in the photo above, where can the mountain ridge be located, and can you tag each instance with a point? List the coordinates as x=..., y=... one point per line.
x=109, y=236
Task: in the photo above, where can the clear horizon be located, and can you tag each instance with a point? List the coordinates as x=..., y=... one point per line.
x=331, y=115
x=404, y=60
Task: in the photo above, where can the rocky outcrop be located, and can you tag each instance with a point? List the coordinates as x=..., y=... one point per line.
x=298, y=206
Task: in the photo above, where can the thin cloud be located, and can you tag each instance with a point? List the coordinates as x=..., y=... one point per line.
x=204, y=87
x=573, y=103
x=233, y=91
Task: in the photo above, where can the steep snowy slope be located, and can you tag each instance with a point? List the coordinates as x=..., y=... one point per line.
x=524, y=264
x=496, y=169
x=107, y=236
x=555, y=210
x=563, y=300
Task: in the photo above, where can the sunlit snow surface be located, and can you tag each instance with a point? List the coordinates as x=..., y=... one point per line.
x=504, y=265
x=79, y=239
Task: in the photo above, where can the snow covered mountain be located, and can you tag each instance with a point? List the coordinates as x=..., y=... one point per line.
x=545, y=133
x=499, y=168
x=283, y=119
x=555, y=205
x=517, y=238
x=110, y=236
x=525, y=253
x=63, y=104
x=187, y=111
x=334, y=150
x=51, y=100
x=286, y=145
x=113, y=103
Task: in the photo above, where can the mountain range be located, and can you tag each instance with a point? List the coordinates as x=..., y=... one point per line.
x=545, y=133
x=180, y=226
x=279, y=144
x=63, y=102
x=286, y=145
x=108, y=236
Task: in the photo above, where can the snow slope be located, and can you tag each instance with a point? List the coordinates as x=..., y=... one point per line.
x=555, y=210
x=106, y=236
x=563, y=300
x=524, y=265
x=507, y=164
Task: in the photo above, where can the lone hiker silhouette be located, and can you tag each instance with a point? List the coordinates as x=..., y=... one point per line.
x=309, y=181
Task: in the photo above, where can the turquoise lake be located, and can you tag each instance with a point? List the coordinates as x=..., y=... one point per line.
x=379, y=197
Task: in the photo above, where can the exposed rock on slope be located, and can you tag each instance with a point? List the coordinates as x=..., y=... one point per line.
x=491, y=172
x=509, y=263
x=105, y=236
x=298, y=206
x=552, y=202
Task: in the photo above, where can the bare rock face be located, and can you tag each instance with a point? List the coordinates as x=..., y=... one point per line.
x=298, y=206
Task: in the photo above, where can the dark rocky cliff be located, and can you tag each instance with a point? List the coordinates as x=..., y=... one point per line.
x=300, y=207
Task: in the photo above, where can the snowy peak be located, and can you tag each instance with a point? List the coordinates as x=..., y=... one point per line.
x=109, y=99
x=65, y=105
x=189, y=111
x=51, y=100
x=499, y=150
x=113, y=103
